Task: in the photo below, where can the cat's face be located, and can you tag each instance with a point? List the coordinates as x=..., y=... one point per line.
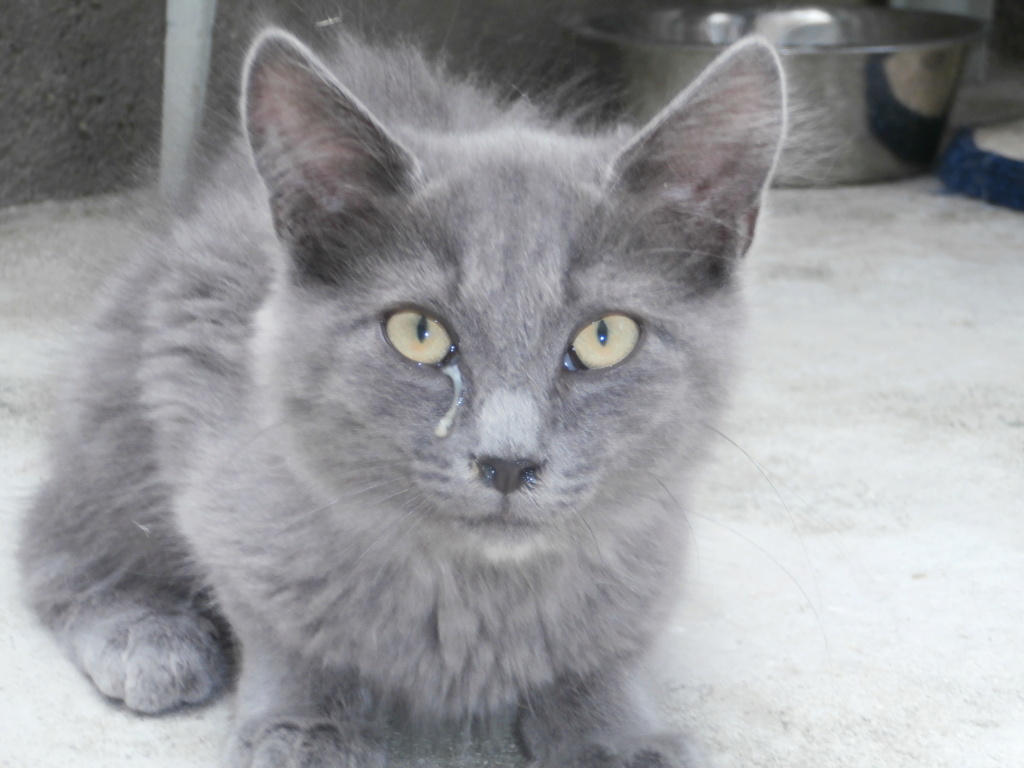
x=577, y=294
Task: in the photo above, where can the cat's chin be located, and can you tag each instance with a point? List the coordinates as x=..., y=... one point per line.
x=506, y=535
x=502, y=542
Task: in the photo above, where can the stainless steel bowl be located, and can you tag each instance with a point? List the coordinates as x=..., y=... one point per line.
x=869, y=88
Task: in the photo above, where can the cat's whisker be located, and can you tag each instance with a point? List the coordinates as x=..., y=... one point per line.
x=417, y=521
x=298, y=518
x=351, y=471
x=360, y=471
x=253, y=437
x=781, y=567
x=686, y=519
x=398, y=493
x=725, y=224
x=785, y=506
x=815, y=609
x=385, y=534
x=593, y=536
x=774, y=479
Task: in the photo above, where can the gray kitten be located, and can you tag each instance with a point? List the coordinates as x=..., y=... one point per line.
x=398, y=434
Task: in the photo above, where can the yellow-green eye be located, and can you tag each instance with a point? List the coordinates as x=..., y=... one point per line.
x=603, y=343
x=418, y=337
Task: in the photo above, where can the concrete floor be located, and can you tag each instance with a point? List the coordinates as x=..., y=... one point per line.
x=856, y=589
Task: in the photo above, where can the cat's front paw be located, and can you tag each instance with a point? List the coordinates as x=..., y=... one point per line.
x=152, y=661
x=310, y=743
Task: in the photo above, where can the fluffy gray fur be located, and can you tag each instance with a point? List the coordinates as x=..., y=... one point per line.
x=243, y=459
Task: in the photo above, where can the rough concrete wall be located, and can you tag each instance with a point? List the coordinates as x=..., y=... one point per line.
x=79, y=95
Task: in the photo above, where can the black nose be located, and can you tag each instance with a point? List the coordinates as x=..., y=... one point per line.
x=507, y=475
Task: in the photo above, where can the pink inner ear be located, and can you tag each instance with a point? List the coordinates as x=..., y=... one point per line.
x=290, y=129
x=310, y=138
x=714, y=146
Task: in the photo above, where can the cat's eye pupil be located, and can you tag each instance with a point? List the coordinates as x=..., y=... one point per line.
x=419, y=337
x=603, y=343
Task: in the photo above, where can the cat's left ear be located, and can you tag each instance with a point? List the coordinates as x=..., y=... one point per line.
x=712, y=150
x=318, y=149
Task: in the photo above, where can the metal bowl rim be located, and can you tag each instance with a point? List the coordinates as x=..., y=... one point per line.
x=974, y=29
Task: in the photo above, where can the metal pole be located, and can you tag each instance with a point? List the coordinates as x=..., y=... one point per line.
x=186, y=66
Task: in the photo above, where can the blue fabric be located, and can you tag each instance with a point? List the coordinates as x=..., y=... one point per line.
x=972, y=171
x=912, y=137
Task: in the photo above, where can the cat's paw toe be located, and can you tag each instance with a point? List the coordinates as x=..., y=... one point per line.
x=658, y=751
x=307, y=743
x=652, y=758
x=665, y=751
x=155, y=662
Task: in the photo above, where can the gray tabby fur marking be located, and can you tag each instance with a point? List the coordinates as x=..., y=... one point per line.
x=239, y=446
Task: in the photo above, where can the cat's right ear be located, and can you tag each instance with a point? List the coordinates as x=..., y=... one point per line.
x=319, y=151
x=711, y=152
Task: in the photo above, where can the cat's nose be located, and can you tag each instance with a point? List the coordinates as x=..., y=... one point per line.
x=507, y=475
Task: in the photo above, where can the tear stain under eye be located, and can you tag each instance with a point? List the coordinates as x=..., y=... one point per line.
x=444, y=426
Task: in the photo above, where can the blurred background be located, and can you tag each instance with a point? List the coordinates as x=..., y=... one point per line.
x=81, y=81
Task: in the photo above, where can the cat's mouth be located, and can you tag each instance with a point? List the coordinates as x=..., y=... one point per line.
x=507, y=521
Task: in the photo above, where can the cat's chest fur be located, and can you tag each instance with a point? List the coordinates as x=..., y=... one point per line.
x=448, y=634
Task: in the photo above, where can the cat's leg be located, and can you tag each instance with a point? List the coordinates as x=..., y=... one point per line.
x=293, y=711
x=595, y=723
x=106, y=572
